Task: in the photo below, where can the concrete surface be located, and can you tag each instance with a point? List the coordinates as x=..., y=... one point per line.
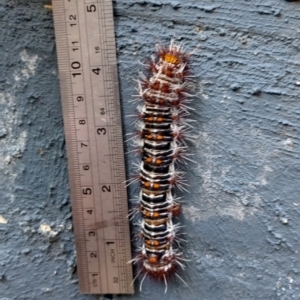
x=242, y=215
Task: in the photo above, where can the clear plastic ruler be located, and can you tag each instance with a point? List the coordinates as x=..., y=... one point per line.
x=86, y=53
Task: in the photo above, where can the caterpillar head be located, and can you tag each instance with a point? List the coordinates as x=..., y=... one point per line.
x=171, y=58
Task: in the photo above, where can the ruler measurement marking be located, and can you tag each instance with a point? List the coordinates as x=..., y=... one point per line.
x=95, y=142
x=95, y=110
x=82, y=247
x=83, y=282
x=110, y=132
x=120, y=246
x=106, y=72
x=81, y=127
x=85, y=251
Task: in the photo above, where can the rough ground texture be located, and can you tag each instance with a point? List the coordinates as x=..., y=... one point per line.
x=242, y=215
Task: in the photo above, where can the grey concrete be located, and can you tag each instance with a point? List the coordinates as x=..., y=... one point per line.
x=242, y=215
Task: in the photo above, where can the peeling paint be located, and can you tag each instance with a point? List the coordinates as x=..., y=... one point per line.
x=30, y=66
x=2, y=220
x=13, y=145
x=46, y=230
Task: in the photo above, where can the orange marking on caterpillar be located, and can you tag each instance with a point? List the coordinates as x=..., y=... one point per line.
x=171, y=59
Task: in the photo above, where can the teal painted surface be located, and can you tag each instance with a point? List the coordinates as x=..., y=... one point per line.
x=243, y=210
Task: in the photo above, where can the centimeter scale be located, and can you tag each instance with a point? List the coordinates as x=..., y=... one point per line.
x=86, y=53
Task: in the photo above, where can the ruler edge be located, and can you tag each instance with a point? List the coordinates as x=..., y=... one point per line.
x=65, y=76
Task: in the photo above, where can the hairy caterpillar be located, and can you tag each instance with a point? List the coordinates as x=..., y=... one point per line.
x=162, y=131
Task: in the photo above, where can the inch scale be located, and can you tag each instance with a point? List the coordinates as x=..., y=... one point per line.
x=86, y=51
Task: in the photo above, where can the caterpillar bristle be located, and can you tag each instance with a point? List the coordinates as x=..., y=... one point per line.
x=166, y=284
x=141, y=284
x=162, y=135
